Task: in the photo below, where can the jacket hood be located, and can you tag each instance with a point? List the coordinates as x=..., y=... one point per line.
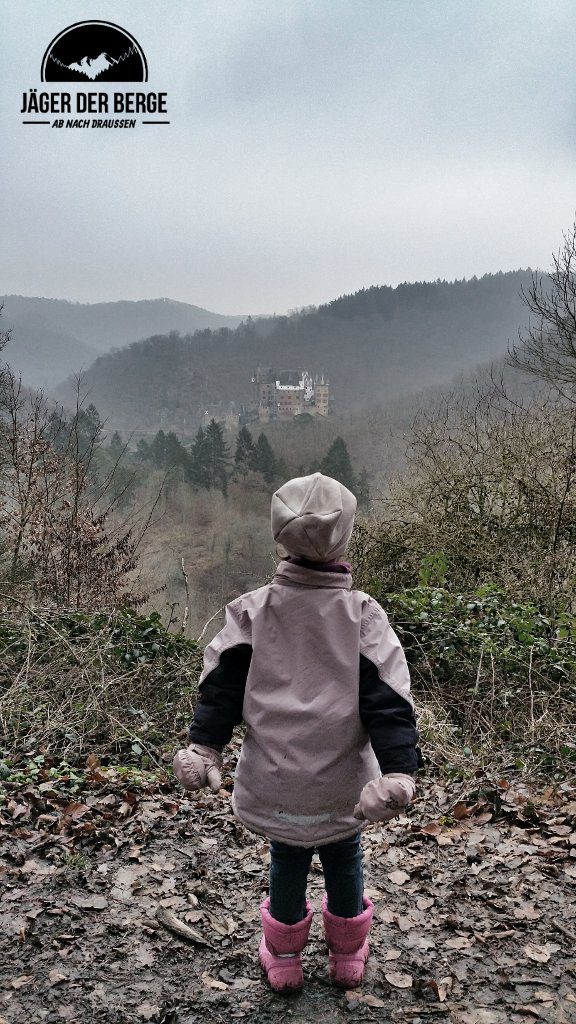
x=312, y=517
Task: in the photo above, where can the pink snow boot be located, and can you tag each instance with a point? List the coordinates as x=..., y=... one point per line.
x=347, y=940
x=280, y=948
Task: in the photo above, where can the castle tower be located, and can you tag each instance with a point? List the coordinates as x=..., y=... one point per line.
x=322, y=396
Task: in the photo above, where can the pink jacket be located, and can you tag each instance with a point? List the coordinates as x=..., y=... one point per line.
x=316, y=672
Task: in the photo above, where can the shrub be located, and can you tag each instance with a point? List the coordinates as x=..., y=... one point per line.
x=109, y=682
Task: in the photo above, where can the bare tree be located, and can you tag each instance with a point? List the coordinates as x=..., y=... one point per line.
x=492, y=487
x=55, y=530
x=547, y=348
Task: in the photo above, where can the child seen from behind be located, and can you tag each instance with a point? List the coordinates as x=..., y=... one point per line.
x=317, y=674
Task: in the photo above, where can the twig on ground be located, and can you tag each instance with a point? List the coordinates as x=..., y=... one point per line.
x=169, y=920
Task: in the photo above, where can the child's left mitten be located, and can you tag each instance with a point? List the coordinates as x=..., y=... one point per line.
x=198, y=766
x=384, y=798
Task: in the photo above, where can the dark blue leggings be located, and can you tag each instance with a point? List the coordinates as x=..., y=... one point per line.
x=343, y=878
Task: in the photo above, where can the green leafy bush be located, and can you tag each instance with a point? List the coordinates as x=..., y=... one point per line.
x=489, y=672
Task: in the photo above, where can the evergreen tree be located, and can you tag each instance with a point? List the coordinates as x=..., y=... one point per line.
x=219, y=456
x=158, y=450
x=199, y=462
x=263, y=460
x=244, y=453
x=116, y=443
x=336, y=463
x=143, y=450
x=176, y=454
x=87, y=426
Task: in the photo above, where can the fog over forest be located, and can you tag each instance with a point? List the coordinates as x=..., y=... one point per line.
x=152, y=376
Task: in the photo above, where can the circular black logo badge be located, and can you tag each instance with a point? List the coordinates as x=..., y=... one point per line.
x=94, y=51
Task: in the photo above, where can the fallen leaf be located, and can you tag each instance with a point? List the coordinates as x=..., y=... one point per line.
x=526, y=912
x=374, y=894
x=432, y=829
x=75, y=810
x=214, y=983
x=392, y=954
x=89, y=902
x=23, y=980
x=444, y=988
x=144, y=955
x=440, y=988
x=541, y=954
x=225, y=927
x=55, y=977
x=368, y=1000
x=399, y=877
x=399, y=980
x=544, y=995
x=459, y=942
x=405, y=923
x=147, y=1010
x=461, y=810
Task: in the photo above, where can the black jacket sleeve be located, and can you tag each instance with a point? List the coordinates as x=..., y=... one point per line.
x=221, y=697
x=389, y=721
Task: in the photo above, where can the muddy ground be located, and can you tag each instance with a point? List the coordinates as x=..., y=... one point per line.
x=475, y=896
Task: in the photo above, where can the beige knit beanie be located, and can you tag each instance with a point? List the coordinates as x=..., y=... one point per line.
x=313, y=517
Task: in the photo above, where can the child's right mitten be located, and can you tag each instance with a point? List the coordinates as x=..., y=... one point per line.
x=384, y=798
x=198, y=766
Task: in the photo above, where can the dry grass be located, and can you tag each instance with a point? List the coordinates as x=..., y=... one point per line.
x=75, y=684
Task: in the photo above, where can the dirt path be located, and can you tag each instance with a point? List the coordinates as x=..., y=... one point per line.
x=475, y=910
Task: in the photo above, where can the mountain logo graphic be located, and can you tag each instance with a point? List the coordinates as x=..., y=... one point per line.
x=94, y=50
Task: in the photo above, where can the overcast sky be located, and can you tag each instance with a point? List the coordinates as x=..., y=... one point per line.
x=316, y=147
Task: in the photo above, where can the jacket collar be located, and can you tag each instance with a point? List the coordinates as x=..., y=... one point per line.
x=293, y=575
x=328, y=566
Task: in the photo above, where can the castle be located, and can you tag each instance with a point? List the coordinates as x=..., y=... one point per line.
x=280, y=395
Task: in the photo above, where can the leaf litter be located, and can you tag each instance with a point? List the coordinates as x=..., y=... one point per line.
x=140, y=903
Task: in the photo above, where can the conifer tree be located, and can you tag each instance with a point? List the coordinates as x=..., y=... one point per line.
x=116, y=443
x=336, y=463
x=263, y=460
x=199, y=463
x=219, y=456
x=175, y=453
x=244, y=453
x=158, y=450
x=88, y=429
x=143, y=450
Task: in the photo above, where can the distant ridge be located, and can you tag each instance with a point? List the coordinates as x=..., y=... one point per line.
x=374, y=346
x=53, y=338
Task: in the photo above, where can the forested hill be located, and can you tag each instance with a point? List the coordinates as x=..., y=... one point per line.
x=374, y=345
x=53, y=337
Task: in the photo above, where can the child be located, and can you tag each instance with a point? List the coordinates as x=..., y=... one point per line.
x=318, y=675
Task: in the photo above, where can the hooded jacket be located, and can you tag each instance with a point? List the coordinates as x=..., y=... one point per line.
x=320, y=679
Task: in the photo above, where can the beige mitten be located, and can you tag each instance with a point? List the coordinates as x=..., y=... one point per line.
x=198, y=766
x=383, y=798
